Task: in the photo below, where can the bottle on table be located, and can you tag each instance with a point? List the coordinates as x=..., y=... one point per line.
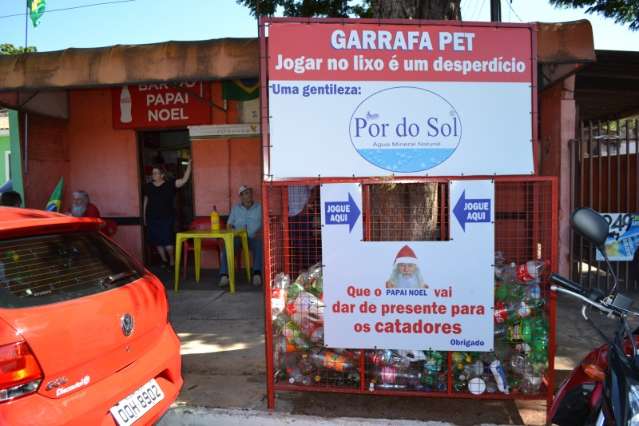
x=215, y=220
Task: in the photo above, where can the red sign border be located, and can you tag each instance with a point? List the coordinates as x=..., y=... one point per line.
x=264, y=22
x=114, y=107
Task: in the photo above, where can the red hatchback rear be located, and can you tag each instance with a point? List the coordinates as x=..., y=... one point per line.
x=84, y=330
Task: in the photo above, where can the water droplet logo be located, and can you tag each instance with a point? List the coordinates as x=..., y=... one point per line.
x=405, y=129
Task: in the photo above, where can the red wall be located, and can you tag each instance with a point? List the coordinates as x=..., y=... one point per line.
x=46, y=149
x=103, y=162
x=558, y=117
x=221, y=166
x=93, y=156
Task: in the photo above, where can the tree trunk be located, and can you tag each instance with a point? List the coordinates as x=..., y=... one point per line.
x=409, y=212
x=417, y=9
x=405, y=212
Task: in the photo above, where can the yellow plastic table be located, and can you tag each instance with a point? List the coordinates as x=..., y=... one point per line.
x=228, y=235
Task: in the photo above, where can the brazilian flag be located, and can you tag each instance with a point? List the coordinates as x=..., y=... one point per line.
x=240, y=90
x=36, y=10
x=55, y=200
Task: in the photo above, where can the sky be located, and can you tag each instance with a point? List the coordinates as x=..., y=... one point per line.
x=151, y=21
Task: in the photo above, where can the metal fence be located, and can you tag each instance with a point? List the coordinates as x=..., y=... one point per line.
x=525, y=230
x=604, y=165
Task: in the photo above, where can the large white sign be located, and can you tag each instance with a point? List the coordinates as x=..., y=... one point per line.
x=374, y=100
x=409, y=295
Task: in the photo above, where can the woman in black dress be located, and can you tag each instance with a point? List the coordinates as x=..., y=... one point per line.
x=159, y=211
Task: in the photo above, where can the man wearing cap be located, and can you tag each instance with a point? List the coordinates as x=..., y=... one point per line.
x=246, y=215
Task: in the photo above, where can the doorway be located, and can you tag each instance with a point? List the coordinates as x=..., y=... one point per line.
x=170, y=149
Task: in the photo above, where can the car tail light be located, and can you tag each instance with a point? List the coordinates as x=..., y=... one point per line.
x=20, y=373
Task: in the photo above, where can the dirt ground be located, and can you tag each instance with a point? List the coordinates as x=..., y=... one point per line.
x=223, y=364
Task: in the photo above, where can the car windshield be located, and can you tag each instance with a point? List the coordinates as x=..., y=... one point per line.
x=53, y=268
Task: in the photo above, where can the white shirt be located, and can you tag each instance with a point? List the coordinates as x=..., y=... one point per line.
x=297, y=198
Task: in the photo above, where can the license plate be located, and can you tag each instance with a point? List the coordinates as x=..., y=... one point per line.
x=136, y=405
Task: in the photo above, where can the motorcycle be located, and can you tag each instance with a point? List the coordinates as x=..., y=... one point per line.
x=604, y=388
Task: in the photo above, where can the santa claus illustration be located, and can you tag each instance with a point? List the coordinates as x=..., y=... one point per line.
x=406, y=273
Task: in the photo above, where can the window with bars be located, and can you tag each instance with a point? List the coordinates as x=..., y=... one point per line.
x=53, y=268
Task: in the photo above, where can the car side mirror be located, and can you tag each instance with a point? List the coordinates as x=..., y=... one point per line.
x=591, y=225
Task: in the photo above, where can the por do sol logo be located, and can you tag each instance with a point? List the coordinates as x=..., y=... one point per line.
x=405, y=129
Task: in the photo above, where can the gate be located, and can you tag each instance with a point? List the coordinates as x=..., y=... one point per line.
x=604, y=165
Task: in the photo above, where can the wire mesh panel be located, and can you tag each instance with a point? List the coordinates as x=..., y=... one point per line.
x=525, y=237
x=406, y=212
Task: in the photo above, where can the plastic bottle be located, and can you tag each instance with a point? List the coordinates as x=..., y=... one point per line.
x=531, y=381
x=388, y=357
x=316, y=282
x=279, y=322
x=500, y=262
x=323, y=358
x=314, y=332
x=390, y=377
x=296, y=377
x=508, y=273
x=278, y=293
x=294, y=290
x=533, y=295
x=434, y=362
x=295, y=337
x=500, y=376
x=305, y=365
x=279, y=353
x=215, y=220
x=530, y=270
x=501, y=313
x=476, y=386
x=125, y=105
x=523, y=310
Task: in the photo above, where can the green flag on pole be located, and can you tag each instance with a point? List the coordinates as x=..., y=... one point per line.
x=36, y=10
x=55, y=200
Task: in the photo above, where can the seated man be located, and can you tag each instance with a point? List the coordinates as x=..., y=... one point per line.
x=11, y=199
x=82, y=206
x=246, y=215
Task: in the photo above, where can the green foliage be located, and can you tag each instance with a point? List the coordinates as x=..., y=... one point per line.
x=309, y=8
x=10, y=49
x=622, y=11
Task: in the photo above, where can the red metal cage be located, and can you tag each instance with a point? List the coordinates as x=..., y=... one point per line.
x=526, y=210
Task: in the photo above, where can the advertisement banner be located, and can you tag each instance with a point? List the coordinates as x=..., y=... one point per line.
x=413, y=295
x=145, y=106
x=623, y=237
x=371, y=100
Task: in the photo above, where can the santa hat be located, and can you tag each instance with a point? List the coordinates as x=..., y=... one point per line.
x=405, y=255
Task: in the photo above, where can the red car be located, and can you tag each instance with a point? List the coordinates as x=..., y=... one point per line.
x=85, y=337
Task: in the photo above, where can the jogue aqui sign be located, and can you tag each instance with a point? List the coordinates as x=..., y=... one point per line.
x=368, y=99
x=409, y=294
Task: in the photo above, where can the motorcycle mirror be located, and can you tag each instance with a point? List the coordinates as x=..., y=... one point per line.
x=591, y=225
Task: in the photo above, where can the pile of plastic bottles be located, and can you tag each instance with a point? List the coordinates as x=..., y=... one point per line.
x=407, y=370
x=520, y=359
x=517, y=365
x=300, y=358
